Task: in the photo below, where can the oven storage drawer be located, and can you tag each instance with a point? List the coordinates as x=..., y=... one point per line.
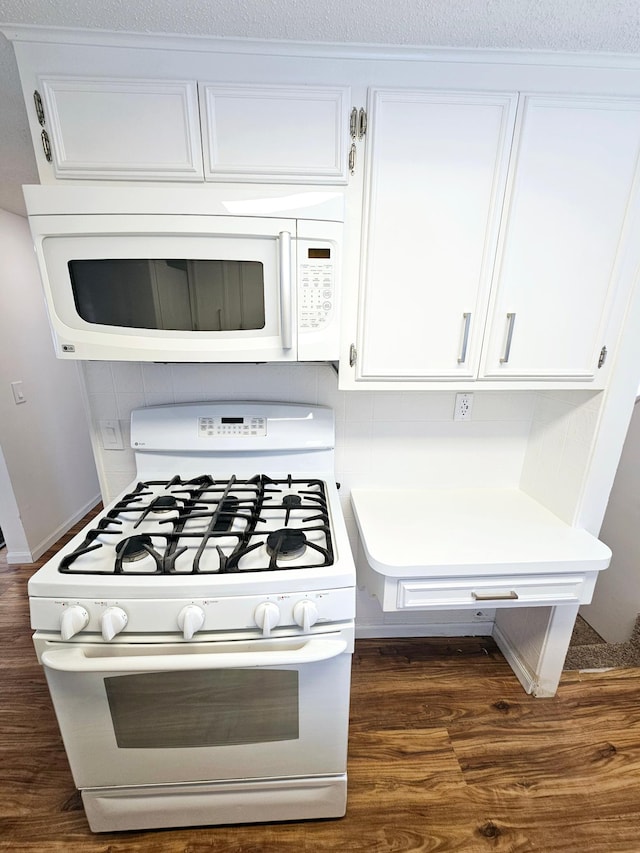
x=422, y=593
x=268, y=800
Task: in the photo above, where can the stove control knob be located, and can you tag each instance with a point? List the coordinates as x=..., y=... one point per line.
x=190, y=620
x=305, y=614
x=267, y=616
x=74, y=619
x=114, y=619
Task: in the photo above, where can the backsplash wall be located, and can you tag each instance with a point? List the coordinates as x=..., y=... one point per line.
x=539, y=441
x=381, y=437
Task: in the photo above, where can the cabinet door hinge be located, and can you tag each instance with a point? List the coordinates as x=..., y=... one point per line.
x=352, y=158
x=46, y=145
x=362, y=122
x=37, y=100
x=353, y=355
x=357, y=129
x=603, y=357
x=353, y=123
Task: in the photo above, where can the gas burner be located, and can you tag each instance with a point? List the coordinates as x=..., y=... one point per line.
x=164, y=503
x=286, y=543
x=291, y=501
x=133, y=548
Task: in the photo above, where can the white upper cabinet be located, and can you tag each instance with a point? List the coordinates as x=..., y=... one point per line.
x=275, y=133
x=573, y=173
x=120, y=129
x=157, y=130
x=436, y=171
x=494, y=238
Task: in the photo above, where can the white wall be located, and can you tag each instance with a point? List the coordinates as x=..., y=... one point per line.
x=50, y=478
x=560, y=447
x=12, y=528
x=616, y=602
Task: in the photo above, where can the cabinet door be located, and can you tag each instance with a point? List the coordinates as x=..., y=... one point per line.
x=275, y=133
x=122, y=129
x=572, y=176
x=436, y=170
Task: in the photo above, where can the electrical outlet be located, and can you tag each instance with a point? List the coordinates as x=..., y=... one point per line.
x=464, y=405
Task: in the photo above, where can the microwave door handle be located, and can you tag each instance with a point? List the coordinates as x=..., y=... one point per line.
x=76, y=660
x=286, y=289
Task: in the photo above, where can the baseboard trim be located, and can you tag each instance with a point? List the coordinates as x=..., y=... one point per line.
x=50, y=541
x=448, y=629
x=14, y=557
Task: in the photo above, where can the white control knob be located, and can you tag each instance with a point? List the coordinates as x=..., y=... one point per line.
x=190, y=620
x=113, y=621
x=267, y=616
x=74, y=619
x=305, y=614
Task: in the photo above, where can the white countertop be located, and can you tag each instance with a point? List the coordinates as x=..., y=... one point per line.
x=452, y=532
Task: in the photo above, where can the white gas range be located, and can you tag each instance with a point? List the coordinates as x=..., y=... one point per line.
x=197, y=635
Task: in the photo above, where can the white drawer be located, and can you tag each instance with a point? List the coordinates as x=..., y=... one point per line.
x=488, y=592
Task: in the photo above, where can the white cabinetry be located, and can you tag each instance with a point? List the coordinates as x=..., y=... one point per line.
x=275, y=133
x=492, y=231
x=436, y=172
x=121, y=129
x=493, y=238
x=573, y=172
x=140, y=129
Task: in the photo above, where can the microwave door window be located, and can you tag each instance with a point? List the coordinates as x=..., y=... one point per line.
x=170, y=294
x=113, y=292
x=227, y=295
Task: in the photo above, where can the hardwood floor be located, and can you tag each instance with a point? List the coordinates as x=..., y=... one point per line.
x=446, y=754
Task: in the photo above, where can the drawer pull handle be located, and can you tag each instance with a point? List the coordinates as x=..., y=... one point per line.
x=499, y=596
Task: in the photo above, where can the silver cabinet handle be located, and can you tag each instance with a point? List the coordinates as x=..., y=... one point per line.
x=465, y=338
x=286, y=284
x=511, y=320
x=494, y=596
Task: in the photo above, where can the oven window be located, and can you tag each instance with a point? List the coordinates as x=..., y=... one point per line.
x=199, y=296
x=164, y=710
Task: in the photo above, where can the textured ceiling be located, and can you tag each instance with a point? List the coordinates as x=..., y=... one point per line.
x=574, y=25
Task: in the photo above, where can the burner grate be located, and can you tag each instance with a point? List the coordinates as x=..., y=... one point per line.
x=154, y=524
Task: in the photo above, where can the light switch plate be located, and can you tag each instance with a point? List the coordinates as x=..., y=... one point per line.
x=111, y=435
x=18, y=392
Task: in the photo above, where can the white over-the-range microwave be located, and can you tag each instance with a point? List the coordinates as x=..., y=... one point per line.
x=190, y=274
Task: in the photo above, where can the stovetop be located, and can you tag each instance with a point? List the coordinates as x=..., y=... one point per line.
x=202, y=526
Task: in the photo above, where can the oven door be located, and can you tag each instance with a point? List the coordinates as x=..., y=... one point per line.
x=141, y=714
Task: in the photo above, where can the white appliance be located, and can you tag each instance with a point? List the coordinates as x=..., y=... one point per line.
x=190, y=273
x=197, y=635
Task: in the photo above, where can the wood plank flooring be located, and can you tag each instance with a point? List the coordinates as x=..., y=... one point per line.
x=446, y=754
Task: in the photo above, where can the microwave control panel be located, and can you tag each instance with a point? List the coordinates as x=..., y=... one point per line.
x=316, y=294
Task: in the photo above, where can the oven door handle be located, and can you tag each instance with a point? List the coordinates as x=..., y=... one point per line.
x=76, y=659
